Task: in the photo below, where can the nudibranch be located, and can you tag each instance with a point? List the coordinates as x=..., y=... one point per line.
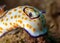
x=27, y=17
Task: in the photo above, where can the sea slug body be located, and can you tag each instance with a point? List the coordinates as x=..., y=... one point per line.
x=26, y=17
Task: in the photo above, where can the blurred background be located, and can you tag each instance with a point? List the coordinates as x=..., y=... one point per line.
x=52, y=8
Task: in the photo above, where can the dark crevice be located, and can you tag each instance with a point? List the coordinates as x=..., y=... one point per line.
x=56, y=15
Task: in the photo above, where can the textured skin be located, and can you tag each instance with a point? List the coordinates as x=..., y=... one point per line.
x=19, y=17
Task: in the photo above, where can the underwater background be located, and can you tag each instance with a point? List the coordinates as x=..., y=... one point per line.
x=52, y=8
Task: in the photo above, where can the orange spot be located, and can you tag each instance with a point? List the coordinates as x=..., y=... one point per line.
x=26, y=18
x=18, y=16
x=30, y=20
x=6, y=19
x=27, y=25
x=27, y=9
x=7, y=29
x=0, y=31
x=19, y=6
x=15, y=16
x=31, y=10
x=11, y=17
x=23, y=13
x=5, y=24
x=10, y=29
x=22, y=17
x=1, y=28
x=20, y=21
x=34, y=29
x=15, y=25
x=2, y=20
x=30, y=26
x=19, y=11
x=38, y=24
x=34, y=20
x=41, y=29
x=10, y=23
x=10, y=12
x=15, y=9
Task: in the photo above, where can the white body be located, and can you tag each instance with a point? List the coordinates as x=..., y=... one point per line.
x=17, y=18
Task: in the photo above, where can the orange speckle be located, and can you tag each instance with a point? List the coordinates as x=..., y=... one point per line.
x=0, y=31
x=27, y=25
x=20, y=21
x=15, y=9
x=7, y=29
x=34, y=20
x=1, y=28
x=30, y=20
x=5, y=24
x=27, y=8
x=10, y=23
x=15, y=25
x=18, y=16
x=19, y=6
x=10, y=29
x=19, y=11
x=33, y=29
x=22, y=17
x=25, y=18
x=6, y=19
x=41, y=29
x=23, y=14
x=11, y=17
x=2, y=20
x=31, y=10
x=10, y=12
x=15, y=16
x=30, y=26
x=38, y=24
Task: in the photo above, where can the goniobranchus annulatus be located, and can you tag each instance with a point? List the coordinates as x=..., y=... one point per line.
x=27, y=17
